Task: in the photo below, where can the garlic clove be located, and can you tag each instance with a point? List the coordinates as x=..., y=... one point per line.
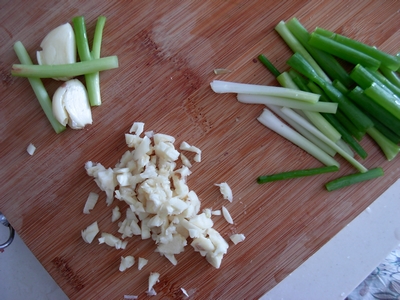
x=58, y=47
x=71, y=105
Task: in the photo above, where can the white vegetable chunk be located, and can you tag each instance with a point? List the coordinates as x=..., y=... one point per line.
x=184, y=292
x=126, y=262
x=142, y=262
x=90, y=232
x=116, y=214
x=131, y=297
x=225, y=190
x=58, y=47
x=137, y=128
x=153, y=279
x=237, y=238
x=71, y=106
x=31, y=149
x=90, y=202
x=161, y=205
x=227, y=215
x=187, y=147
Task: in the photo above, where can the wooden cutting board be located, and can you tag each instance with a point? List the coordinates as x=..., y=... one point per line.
x=167, y=52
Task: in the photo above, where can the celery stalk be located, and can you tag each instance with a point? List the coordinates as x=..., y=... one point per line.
x=65, y=70
x=92, y=79
x=38, y=88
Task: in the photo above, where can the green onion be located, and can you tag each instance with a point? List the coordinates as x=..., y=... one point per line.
x=92, y=79
x=389, y=148
x=390, y=61
x=348, y=180
x=339, y=116
x=357, y=96
x=219, y=86
x=313, y=116
x=269, y=65
x=296, y=174
x=344, y=52
x=305, y=133
x=38, y=88
x=357, y=117
x=65, y=70
x=325, y=60
x=300, y=120
x=386, y=131
x=384, y=98
x=325, y=107
x=392, y=76
x=296, y=46
x=384, y=82
x=268, y=119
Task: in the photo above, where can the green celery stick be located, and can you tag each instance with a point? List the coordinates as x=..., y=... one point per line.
x=351, y=179
x=65, y=70
x=92, y=79
x=39, y=89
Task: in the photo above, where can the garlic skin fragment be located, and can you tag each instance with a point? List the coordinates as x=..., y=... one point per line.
x=90, y=232
x=58, y=47
x=71, y=106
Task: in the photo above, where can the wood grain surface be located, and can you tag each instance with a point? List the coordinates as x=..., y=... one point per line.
x=167, y=52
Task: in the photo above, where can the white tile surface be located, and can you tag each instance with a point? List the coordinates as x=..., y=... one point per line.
x=21, y=274
x=335, y=270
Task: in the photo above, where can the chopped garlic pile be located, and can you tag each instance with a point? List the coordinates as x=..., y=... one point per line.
x=151, y=179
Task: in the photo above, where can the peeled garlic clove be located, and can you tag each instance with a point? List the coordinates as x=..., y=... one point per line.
x=58, y=47
x=71, y=105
